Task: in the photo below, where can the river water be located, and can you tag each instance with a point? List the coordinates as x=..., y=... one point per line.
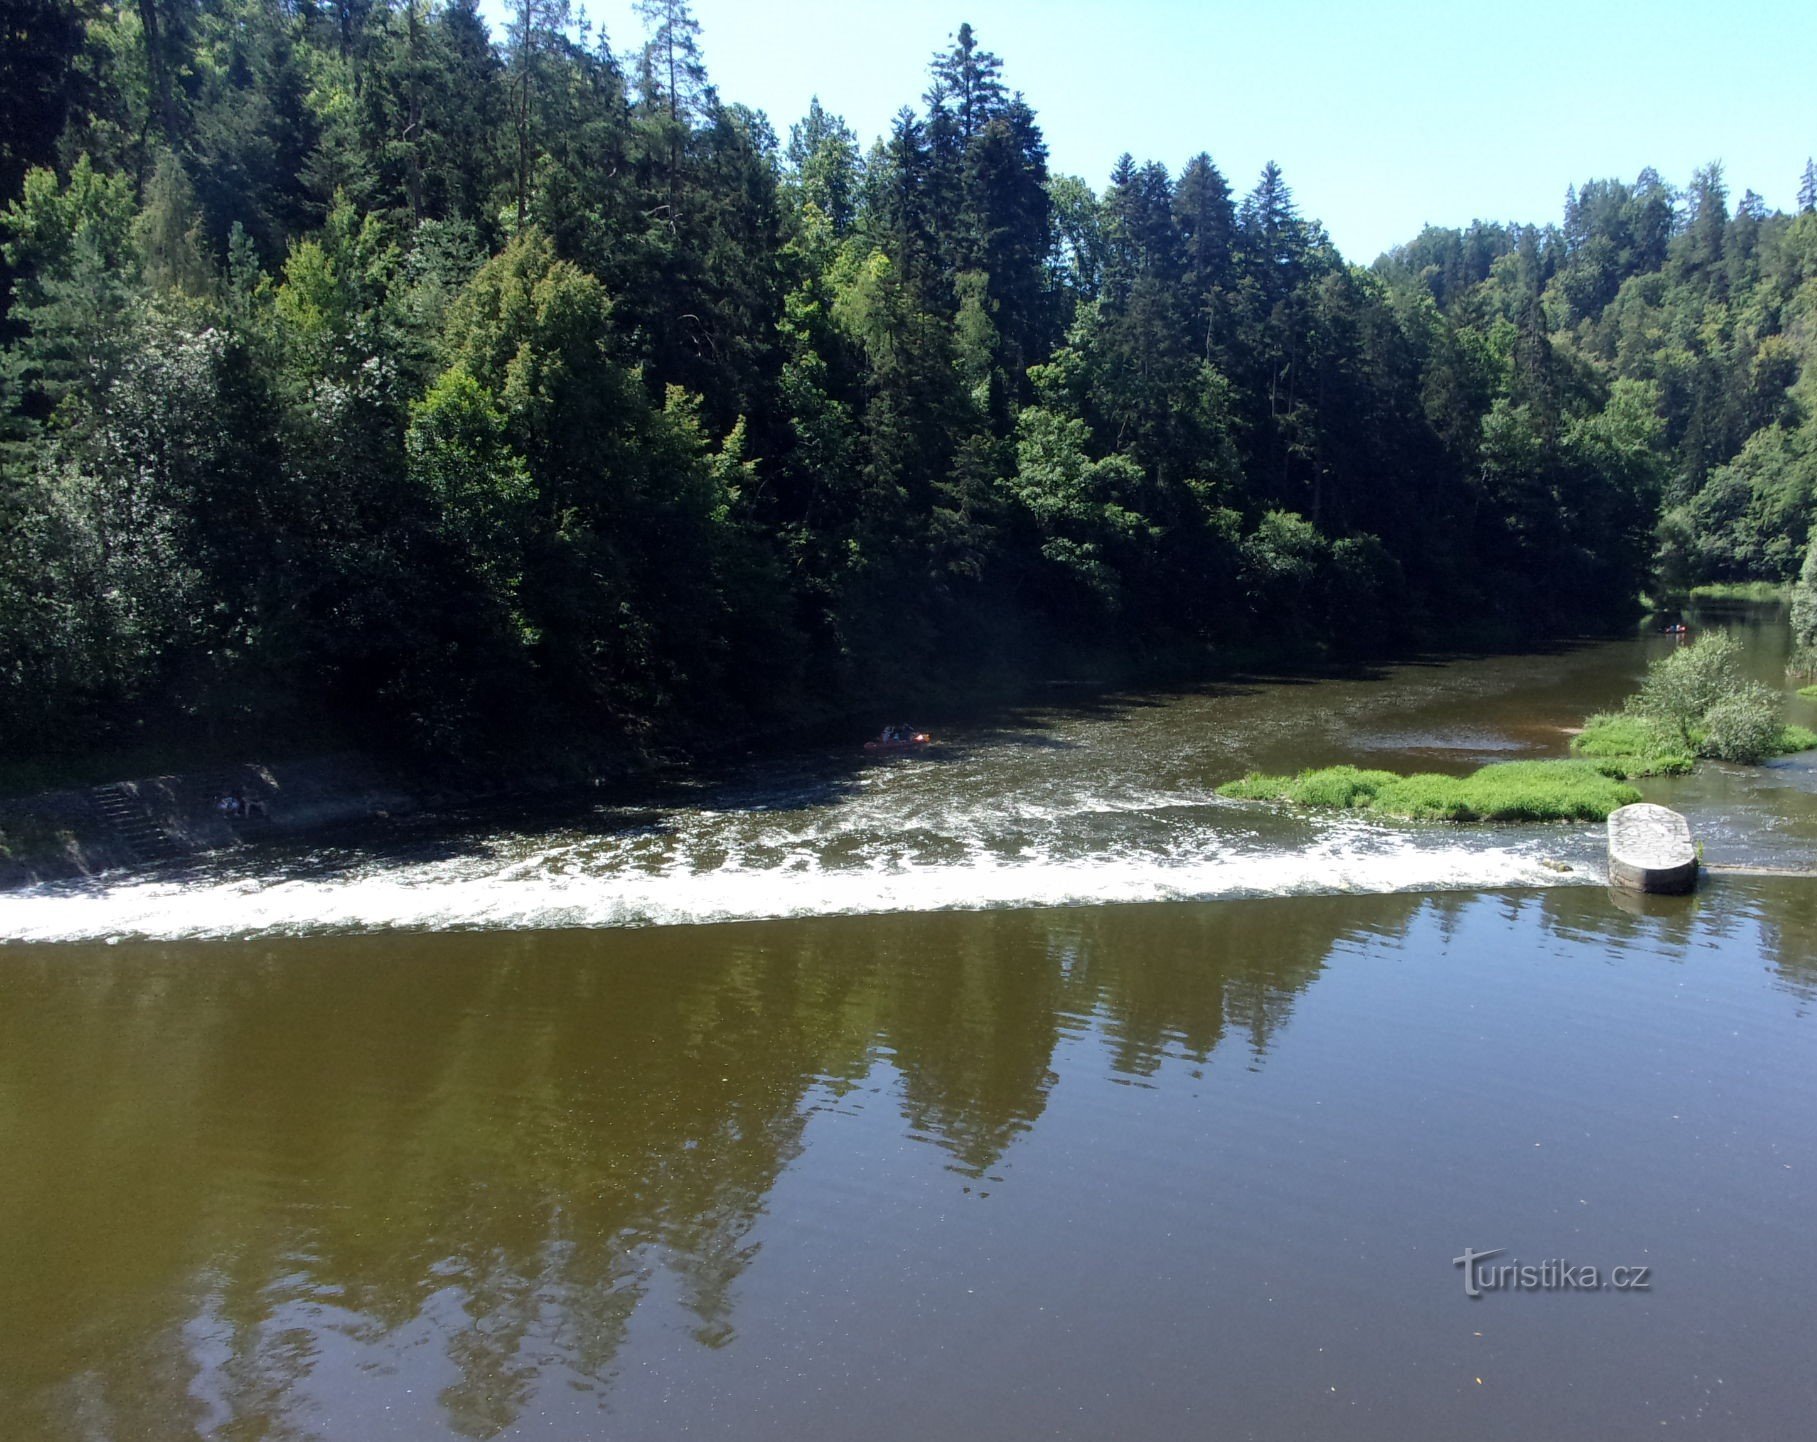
x=1017, y=1089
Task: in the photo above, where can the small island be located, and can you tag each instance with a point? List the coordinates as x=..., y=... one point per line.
x=1695, y=703
x=1501, y=791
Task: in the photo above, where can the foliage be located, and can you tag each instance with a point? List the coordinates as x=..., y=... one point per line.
x=1763, y=592
x=1695, y=701
x=1804, y=615
x=1742, y=727
x=1501, y=791
x=1632, y=746
x=489, y=391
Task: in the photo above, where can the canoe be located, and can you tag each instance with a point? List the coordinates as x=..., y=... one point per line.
x=918, y=740
x=1650, y=849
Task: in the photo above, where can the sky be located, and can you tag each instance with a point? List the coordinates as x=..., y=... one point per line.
x=1384, y=117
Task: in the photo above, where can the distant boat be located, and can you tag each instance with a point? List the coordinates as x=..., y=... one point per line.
x=898, y=738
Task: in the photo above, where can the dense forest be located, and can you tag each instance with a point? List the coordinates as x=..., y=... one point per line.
x=483, y=391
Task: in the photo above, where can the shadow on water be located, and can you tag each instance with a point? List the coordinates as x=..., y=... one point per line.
x=783, y=779
x=1028, y=761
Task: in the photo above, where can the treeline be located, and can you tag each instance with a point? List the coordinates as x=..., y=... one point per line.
x=486, y=390
x=1712, y=311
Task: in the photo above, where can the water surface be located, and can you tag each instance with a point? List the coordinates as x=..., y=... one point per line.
x=414, y=1138
x=1087, y=800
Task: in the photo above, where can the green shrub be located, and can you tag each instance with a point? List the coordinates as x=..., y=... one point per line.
x=1700, y=703
x=1804, y=616
x=1742, y=727
x=1680, y=688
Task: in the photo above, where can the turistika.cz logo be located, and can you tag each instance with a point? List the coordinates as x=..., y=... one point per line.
x=1553, y=1275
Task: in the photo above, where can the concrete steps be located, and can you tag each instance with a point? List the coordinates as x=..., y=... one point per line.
x=131, y=824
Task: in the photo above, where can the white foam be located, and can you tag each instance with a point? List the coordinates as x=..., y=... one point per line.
x=570, y=885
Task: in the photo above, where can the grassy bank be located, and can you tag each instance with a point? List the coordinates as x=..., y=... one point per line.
x=1628, y=745
x=1501, y=791
x=1742, y=591
x=1632, y=746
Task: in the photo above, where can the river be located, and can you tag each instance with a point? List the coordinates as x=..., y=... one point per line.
x=1017, y=1089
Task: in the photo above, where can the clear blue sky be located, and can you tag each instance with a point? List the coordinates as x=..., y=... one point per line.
x=1384, y=116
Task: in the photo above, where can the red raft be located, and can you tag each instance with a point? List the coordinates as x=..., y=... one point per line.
x=904, y=740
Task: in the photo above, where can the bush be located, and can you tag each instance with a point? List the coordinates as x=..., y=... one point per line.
x=1681, y=688
x=1699, y=703
x=1742, y=727
x=1804, y=616
x=1761, y=591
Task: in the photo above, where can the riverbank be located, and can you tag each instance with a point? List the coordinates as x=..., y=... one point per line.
x=78, y=831
x=91, y=822
x=85, y=817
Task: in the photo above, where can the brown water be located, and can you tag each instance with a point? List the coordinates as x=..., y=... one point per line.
x=398, y=1157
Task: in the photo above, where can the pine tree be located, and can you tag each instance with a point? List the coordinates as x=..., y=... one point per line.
x=1010, y=216
x=1274, y=238
x=673, y=76
x=535, y=36
x=171, y=245
x=1206, y=221
x=823, y=154
x=969, y=80
x=467, y=116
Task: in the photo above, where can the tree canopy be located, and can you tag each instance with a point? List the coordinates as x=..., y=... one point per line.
x=479, y=390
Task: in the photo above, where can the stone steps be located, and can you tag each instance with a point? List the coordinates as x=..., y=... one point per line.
x=131, y=824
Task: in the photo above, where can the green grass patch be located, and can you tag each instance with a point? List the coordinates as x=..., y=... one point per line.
x=1501, y=791
x=1796, y=738
x=1335, y=787
x=1808, y=692
x=1629, y=746
x=1742, y=591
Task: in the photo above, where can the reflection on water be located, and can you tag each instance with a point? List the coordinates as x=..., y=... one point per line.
x=446, y=1133
x=1114, y=1171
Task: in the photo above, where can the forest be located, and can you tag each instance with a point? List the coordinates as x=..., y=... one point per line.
x=369, y=374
